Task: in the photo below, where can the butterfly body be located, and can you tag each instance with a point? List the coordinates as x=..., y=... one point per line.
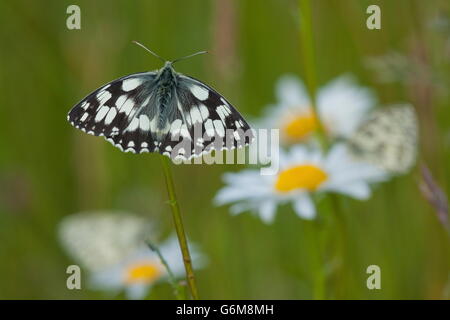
x=161, y=111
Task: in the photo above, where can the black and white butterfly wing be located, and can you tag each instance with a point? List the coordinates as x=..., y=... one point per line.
x=205, y=121
x=138, y=113
x=388, y=139
x=113, y=111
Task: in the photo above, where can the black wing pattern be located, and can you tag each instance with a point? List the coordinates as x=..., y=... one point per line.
x=188, y=120
x=114, y=109
x=204, y=121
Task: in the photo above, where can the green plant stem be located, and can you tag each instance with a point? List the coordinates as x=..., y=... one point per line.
x=172, y=280
x=177, y=219
x=307, y=47
x=319, y=272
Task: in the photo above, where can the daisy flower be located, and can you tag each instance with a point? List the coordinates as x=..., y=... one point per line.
x=342, y=106
x=138, y=272
x=302, y=172
x=111, y=248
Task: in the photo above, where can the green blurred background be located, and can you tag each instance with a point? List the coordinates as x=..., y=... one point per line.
x=49, y=170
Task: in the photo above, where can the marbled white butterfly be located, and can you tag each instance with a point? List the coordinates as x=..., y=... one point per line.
x=101, y=239
x=162, y=111
x=388, y=139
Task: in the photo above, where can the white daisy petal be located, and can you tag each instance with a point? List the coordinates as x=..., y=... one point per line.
x=344, y=105
x=304, y=207
x=303, y=171
x=137, y=291
x=291, y=91
x=267, y=211
x=357, y=190
x=240, y=207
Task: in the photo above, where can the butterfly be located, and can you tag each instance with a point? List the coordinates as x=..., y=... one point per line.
x=388, y=139
x=100, y=239
x=162, y=111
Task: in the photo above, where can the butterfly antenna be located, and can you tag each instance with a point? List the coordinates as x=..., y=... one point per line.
x=147, y=49
x=190, y=56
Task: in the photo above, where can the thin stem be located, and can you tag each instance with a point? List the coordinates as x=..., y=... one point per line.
x=307, y=45
x=319, y=273
x=176, y=214
x=172, y=280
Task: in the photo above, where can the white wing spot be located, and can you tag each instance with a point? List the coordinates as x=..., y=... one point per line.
x=185, y=131
x=111, y=115
x=134, y=124
x=209, y=128
x=127, y=107
x=84, y=117
x=101, y=113
x=204, y=111
x=85, y=105
x=130, y=84
x=225, y=105
x=196, y=115
x=121, y=100
x=103, y=96
x=219, y=128
x=175, y=128
x=221, y=112
x=144, y=122
x=187, y=116
x=153, y=124
x=199, y=92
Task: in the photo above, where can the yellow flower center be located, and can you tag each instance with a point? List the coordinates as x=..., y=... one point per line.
x=300, y=127
x=307, y=176
x=143, y=272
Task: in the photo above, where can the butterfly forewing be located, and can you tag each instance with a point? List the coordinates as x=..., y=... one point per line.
x=110, y=110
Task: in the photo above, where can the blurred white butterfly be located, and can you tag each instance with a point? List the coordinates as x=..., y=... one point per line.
x=100, y=239
x=388, y=139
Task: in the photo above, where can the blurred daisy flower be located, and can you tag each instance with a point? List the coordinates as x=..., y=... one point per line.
x=139, y=271
x=112, y=248
x=303, y=172
x=342, y=105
